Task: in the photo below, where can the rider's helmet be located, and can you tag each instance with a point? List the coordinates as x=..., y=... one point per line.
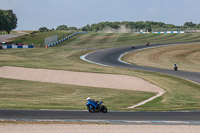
x=88, y=98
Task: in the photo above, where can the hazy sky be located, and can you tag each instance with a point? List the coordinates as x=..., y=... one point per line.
x=33, y=14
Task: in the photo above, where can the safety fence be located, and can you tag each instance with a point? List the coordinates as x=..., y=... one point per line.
x=61, y=40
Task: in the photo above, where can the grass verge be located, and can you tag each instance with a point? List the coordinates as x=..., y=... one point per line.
x=19, y=94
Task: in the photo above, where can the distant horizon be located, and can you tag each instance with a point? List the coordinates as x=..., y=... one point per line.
x=33, y=14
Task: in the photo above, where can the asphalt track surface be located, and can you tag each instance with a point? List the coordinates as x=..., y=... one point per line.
x=110, y=57
x=110, y=116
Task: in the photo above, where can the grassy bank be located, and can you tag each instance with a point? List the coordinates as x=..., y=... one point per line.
x=37, y=38
x=107, y=40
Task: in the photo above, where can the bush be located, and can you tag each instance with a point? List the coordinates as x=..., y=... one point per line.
x=43, y=29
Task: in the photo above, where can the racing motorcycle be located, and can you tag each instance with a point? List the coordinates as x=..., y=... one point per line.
x=148, y=44
x=175, y=67
x=96, y=107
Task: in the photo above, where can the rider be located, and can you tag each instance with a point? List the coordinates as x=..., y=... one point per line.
x=89, y=99
x=92, y=102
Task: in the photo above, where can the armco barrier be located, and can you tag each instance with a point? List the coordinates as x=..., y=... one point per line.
x=61, y=40
x=16, y=46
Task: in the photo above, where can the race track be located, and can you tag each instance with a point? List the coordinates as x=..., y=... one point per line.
x=112, y=116
x=110, y=57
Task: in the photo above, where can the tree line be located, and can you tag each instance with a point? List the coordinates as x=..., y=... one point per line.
x=8, y=21
x=61, y=27
x=139, y=25
x=148, y=25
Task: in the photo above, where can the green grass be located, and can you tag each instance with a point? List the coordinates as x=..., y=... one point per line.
x=52, y=58
x=18, y=94
x=180, y=95
x=107, y=40
x=39, y=37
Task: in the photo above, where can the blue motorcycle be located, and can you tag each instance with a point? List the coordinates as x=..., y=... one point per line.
x=97, y=106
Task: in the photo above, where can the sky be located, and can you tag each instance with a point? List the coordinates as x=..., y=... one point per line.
x=33, y=14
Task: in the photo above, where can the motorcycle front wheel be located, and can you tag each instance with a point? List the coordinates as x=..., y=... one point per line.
x=104, y=109
x=91, y=110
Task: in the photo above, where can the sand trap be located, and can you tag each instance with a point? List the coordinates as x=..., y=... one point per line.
x=79, y=78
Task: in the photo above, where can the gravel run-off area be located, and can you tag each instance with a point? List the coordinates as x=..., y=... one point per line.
x=122, y=82
x=79, y=128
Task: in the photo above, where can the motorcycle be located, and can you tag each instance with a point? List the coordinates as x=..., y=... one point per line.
x=175, y=68
x=96, y=107
x=148, y=44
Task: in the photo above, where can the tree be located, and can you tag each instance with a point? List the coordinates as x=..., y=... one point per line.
x=189, y=24
x=86, y=28
x=2, y=20
x=72, y=28
x=12, y=21
x=115, y=25
x=8, y=20
x=198, y=26
x=42, y=29
x=62, y=27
